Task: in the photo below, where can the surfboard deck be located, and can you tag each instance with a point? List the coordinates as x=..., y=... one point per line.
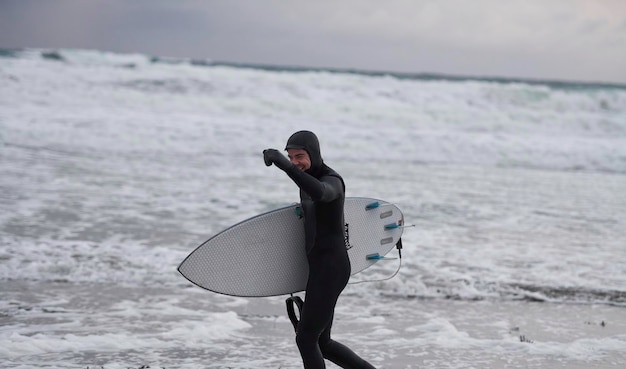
x=265, y=255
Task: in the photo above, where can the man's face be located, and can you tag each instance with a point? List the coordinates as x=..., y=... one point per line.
x=300, y=158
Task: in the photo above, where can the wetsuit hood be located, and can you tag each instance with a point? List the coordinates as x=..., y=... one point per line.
x=306, y=140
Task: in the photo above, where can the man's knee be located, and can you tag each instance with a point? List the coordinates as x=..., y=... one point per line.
x=324, y=342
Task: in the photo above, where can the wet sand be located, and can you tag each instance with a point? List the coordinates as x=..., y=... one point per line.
x=465, y=334
x=389, y=332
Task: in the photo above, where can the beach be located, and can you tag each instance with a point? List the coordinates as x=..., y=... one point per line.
x=133, y=328
x=116, y=166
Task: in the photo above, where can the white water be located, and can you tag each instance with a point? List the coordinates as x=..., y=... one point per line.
x=115, y=167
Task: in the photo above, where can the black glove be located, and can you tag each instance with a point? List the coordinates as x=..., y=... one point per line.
x=273, y=156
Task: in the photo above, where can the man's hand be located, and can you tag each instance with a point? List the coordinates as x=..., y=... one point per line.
x=273, y=156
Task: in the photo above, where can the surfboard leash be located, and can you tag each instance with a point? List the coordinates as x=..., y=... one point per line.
x=294, y=302
x=377, y=257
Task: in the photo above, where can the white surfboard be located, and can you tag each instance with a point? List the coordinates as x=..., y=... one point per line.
x=265, y=255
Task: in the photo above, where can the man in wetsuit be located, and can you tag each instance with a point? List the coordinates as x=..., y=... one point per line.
x=322, y=195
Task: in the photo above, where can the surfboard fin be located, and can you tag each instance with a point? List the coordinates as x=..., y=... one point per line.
x=396, y=226
x=377, y=256
x=375, y=205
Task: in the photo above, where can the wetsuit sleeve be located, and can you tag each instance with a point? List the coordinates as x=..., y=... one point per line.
x=325, y=189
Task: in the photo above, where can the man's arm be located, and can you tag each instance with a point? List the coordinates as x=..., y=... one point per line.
x=325, y=189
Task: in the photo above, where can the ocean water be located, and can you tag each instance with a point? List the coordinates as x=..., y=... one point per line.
x=113, y=167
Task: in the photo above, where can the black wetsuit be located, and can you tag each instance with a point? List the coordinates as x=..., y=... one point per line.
x=322, y=195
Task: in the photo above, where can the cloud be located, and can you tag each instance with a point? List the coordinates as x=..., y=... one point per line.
x=526, y=38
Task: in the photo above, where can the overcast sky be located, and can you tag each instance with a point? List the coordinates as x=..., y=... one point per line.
x=581, y=40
